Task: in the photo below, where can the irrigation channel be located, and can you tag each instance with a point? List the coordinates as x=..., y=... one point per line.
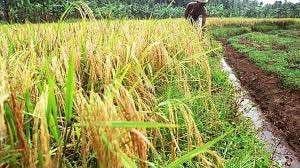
x=282, y=153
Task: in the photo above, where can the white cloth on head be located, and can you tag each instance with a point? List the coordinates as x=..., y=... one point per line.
x=202, y=1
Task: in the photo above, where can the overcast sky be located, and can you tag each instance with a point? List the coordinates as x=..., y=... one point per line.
x=272, y=1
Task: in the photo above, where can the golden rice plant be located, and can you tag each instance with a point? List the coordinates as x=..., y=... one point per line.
x=89, y=93
x=85, y=92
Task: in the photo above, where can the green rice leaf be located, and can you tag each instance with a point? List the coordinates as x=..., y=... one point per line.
x=27, y=117
x=70, y=88
x=132, y=124
x=127, y=162
x=202, y=149
x=11, y=123
x=52, y=111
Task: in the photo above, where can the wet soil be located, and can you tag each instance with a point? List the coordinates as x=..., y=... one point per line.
x=279, y=105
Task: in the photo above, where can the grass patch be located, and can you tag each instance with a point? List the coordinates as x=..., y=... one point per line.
x=264, y=27
x=276, y=52
x=228, y=31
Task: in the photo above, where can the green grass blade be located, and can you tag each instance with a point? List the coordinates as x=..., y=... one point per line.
x=66, y=12
x=120, y=77
x=202, y=149
x=11, y=123
x=27, y=117
x=52, y=111
x=70, y=88
x=132, y=124
x=127, y=162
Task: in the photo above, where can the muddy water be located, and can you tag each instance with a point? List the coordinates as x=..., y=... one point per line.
x=281, y=151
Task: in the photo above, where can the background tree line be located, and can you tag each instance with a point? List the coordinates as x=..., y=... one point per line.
x=51, y=10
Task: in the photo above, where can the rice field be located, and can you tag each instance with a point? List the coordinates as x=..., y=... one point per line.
x=122, y=93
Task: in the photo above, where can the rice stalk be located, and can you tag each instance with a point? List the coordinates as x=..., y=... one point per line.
x=106, y=90
x=4, y=94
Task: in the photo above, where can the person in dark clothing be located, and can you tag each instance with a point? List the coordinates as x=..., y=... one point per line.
x=193, y=12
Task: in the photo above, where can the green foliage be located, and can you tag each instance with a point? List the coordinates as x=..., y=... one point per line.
x=277, y=53
x=39, y=11
x=120, y=10
x=253, y=8
x=264, y=27
x=202, y=149
x=229, y=31
x=221, y=117
x=70, y=84
x=294, y=26
x=52, y=110
x=51, y=10
x=33, y=10
x=238, y=28
x=131, y=124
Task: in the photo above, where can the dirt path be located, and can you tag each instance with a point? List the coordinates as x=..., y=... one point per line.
x=280, y=106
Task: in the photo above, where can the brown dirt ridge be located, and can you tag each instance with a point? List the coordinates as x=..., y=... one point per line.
x=280, y=106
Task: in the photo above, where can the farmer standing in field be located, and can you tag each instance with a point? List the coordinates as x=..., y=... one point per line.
x=194, y=10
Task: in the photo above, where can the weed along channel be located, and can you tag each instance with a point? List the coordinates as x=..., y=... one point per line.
x=281, y=151
x=264, y=68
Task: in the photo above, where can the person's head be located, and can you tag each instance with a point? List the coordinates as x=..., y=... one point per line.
x=201, y=2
